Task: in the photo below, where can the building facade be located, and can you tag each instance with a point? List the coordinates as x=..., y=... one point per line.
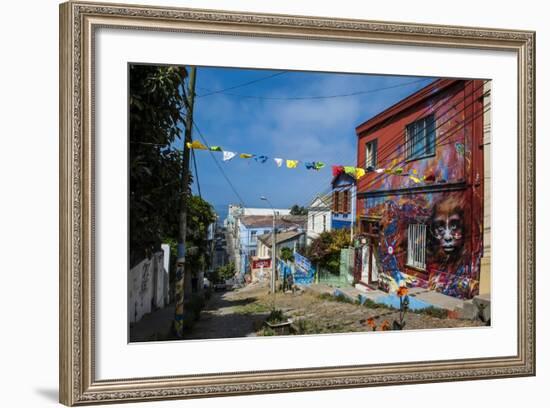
x=420, y=206
x=249, y=227
x=239, y=241
x=343, y=201
x=261, y=263
x=319, y=217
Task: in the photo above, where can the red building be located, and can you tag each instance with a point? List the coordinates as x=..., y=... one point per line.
x=420, y=206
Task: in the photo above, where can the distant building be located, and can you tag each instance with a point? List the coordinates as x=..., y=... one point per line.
x=261, y=263
x=252, y=226
x=343, y=201
x=233, y=232
x=319, y=217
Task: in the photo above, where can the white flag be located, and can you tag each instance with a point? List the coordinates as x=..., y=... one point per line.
x=228, y=155
x=379, y=171
x=278, y=161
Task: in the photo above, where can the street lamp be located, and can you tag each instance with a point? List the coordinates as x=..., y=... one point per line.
x=273, y=254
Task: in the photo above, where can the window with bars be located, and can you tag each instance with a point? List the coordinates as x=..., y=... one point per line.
x=416, y=246
x=420, y=138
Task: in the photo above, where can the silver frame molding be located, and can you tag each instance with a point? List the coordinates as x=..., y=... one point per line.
x=78, y=22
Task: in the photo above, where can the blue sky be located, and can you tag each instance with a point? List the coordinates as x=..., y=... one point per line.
x=305, y=130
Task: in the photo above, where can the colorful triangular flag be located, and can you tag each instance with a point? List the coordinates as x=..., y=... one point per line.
x=228, y=155
x=195, y=144
x=291, y=164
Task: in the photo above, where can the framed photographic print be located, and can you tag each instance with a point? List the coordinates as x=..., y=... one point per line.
x=256, y=203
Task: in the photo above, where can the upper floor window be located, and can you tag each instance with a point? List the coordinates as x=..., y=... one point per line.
x=370, y=155
x=335, y=202
x=420, y=138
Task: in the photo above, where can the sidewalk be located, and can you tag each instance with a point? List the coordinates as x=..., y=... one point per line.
x=153, y=326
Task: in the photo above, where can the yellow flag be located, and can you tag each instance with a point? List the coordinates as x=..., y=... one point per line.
x=359, y=172
x=245, y=155
x=291, y=164
x=415, y=179
x=195, y=144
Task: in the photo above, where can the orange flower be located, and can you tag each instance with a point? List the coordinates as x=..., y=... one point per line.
x=402, y=291
x=371, y=322
x=385, y=325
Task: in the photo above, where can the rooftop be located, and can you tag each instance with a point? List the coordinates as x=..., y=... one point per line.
x=267, y=239
x=284, y=221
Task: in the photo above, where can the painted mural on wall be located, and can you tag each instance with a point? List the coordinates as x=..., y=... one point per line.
x=453, y=245
x=304, y=271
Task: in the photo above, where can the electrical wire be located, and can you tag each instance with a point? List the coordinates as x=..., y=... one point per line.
x=315, y=97
x=214, y=92
x=401, y=133
x=241, y=201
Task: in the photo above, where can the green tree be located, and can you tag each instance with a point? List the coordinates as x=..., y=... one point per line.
x=157, y=111
x=199, y=216
x=298, y=210
x=224, y=272
x=287, y=254
x=325, y=250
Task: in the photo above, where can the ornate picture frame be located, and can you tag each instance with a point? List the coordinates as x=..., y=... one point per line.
x=78, y=24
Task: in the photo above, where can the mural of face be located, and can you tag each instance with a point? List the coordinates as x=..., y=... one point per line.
x=447, y=227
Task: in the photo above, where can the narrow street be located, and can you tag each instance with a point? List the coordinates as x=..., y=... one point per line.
x=242, y=313
x=227, y=314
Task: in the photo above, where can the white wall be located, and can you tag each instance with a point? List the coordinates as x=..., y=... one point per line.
x=315, y=223
x=29, y=185
x=147, y=285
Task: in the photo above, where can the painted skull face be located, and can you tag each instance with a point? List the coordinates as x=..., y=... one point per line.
x=448, y=227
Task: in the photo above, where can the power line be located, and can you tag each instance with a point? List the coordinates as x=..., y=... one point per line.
x=395, y=140
x=218, y=164
x=314, y=97
x=214, y=92
x=439, y=143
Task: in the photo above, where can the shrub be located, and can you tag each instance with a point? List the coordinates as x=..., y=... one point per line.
x=276, y=316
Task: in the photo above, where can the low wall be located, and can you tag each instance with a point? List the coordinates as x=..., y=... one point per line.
x=147, y=287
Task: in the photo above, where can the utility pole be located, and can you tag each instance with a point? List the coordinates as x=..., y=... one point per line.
x=273, y=250
x=273, y=255
x=180, y=263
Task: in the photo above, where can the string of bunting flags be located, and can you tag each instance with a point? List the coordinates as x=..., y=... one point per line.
x=356, y=172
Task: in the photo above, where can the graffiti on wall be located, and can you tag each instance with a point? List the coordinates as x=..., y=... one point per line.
x=451, y=254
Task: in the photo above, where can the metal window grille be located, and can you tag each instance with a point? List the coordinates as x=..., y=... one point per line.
x=416, y=246
x=420, y=138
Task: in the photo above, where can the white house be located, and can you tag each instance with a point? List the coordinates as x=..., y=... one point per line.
x=318, y=217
